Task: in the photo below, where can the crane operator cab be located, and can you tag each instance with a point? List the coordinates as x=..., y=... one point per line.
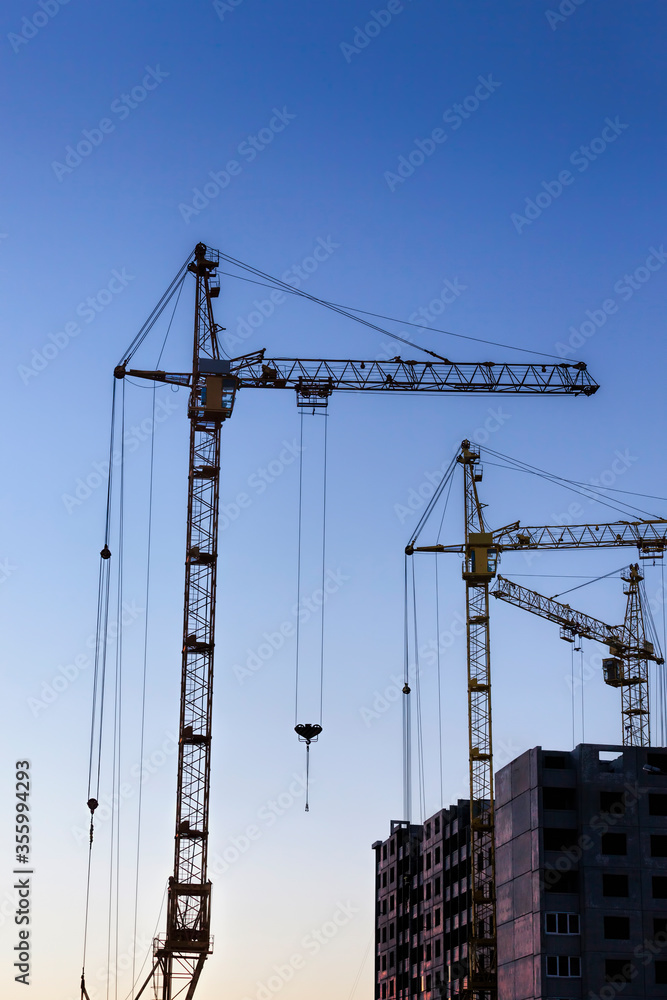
x=217, y=389
x=481, y=558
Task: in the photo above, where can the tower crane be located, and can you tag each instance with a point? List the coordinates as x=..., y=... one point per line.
x=480, y=551
x=214, y=382
x=631, y=651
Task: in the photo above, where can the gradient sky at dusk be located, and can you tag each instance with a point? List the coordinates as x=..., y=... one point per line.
x=526, y=215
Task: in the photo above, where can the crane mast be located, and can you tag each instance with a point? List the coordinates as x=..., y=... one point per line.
x=187, y=940
x=180, y=954
x=478, y=569
x=630, y=671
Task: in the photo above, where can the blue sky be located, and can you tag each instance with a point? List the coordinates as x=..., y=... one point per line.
x=497, y=165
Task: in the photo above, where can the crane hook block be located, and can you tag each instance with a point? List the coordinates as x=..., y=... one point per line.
x=307, y=732
x=106, y=552
x=92, y=805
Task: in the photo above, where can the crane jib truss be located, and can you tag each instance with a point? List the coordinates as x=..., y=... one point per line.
x=649, y=537
x=180, y=954
x=627, y=668
x=481, y=550
x=254, y=371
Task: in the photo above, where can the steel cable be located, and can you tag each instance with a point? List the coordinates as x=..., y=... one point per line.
x=277, y=284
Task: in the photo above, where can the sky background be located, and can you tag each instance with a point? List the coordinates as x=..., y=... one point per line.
x=134, y=205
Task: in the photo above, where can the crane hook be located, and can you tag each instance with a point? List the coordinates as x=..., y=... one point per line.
x=307, y=733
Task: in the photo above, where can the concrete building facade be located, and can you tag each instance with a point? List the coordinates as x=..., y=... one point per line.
x=581, y=865
x=422, y=877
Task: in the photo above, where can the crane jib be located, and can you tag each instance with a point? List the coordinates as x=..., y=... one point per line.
x=256, y=372
x=411, y=376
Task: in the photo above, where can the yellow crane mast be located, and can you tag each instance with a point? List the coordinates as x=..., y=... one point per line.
x=479, y=567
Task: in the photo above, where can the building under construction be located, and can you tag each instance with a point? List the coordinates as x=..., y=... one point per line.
x=581, y=876
x=422, y=879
